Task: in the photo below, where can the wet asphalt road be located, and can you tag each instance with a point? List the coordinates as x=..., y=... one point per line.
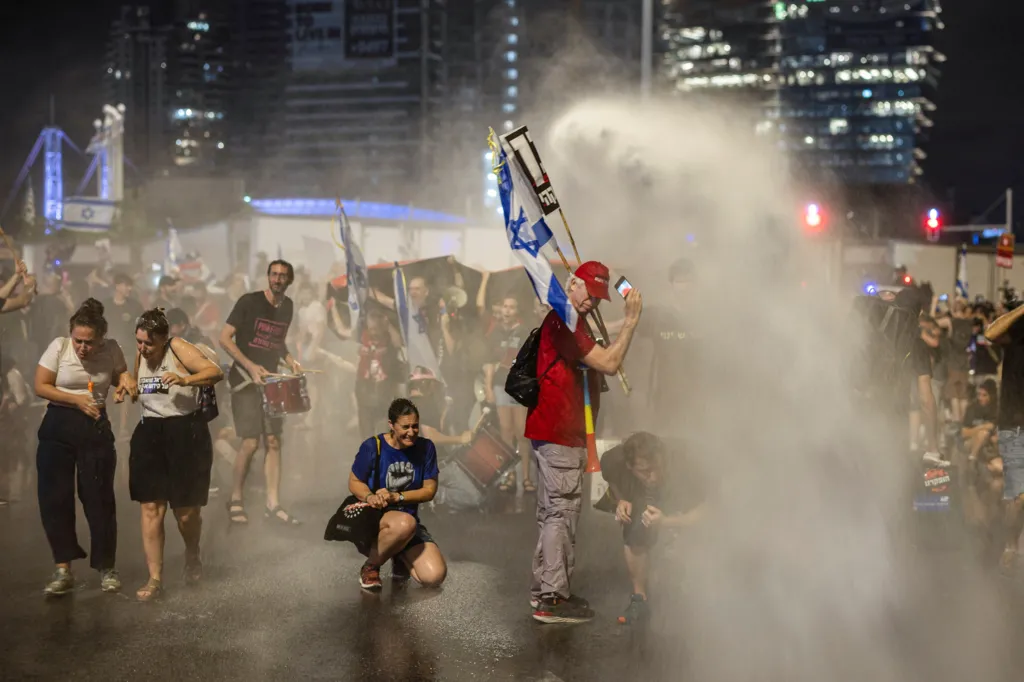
x=282, y=604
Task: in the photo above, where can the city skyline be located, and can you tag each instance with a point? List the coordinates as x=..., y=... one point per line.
x=962, y=136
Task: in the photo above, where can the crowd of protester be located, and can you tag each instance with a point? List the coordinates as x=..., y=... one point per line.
x=967, y=421
x=361, y=369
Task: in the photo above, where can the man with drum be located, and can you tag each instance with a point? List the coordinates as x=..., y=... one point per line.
x=254, y=337
x=557, y=427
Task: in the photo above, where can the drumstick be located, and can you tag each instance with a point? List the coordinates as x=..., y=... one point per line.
x=479, y=422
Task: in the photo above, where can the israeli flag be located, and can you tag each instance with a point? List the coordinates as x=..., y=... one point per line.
x=528, y=232
x=356, y=276
x=961, y=272
x=418, y=350
x=88, y=214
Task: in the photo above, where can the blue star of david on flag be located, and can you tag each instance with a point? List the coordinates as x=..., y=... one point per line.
x=528, y=233
x=521, y=232
x=88, y=213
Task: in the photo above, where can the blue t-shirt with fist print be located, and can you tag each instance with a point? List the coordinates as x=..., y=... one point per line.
x=399, y=470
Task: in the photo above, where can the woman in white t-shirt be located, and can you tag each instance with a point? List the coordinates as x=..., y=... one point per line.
x=172, y=452
x=74, y=375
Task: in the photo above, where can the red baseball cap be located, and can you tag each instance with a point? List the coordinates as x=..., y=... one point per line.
x=596, y=277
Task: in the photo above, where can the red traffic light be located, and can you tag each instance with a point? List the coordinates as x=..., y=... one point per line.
x=907, y=279
x=814, y=218
x=934, y=220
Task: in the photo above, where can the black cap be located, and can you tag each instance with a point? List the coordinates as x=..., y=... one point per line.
x=167, y=281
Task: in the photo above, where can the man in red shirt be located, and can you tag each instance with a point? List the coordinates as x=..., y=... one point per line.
x=557, y=427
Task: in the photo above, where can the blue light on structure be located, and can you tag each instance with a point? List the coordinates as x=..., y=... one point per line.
x=365, y=210
x=53, y=176
x=870, y=289
x=691, y=238
x=975, y=239
x=992, y=233
x=866, y=93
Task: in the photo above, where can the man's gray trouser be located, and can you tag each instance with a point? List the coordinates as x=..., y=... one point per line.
x=559, y=501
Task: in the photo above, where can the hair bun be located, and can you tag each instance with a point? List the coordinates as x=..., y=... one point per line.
x=92, y=307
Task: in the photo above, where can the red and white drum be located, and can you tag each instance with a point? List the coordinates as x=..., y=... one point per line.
x=486, y=458
x=285, y=395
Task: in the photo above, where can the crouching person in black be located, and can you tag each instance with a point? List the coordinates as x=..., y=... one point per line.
x=652, y=495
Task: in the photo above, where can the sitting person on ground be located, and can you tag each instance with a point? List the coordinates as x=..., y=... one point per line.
x=651, y=493
x=404, y=478
x=978, y=429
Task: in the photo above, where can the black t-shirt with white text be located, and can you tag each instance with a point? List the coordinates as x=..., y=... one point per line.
x=260, y=331
x=1011, y=399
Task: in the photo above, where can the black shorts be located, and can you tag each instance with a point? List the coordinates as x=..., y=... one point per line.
x=250, y=419
x=170, y=461
x=636, y=534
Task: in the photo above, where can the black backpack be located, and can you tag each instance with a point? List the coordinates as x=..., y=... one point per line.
x=522, y=382
x=879, y=371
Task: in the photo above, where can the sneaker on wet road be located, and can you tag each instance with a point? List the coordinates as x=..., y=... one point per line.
x=573, y=599
x=110, y=581
x=369, y=577
x=558, y=610
x=636, y=611
x=61, y=582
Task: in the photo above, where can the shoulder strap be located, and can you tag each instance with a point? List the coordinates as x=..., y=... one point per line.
x=375, y=472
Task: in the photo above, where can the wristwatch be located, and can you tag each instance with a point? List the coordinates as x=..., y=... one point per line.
x=401, y=497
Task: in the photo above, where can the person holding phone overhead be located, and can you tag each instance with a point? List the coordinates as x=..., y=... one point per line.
x=74, y=375
x=556, y=425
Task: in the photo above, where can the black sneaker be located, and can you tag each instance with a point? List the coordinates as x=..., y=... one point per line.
x=636, y=611
x=573, y=599
x=558, y=610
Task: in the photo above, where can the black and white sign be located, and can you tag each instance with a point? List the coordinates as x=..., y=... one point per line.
x=519, y=145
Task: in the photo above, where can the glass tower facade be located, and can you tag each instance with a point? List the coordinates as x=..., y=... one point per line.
x=846, y=86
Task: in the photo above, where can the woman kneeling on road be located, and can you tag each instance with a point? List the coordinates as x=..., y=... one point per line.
x=171, y=450
x=407, y=477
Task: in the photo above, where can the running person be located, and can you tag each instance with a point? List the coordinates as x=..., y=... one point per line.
x=254, y=337
x=171, y=450
x=406, y=478
x=75, y=375
x=557, y=428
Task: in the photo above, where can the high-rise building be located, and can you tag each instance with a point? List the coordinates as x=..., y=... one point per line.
x=362, y=97
x=136, y=76
x=857, y=79
x=198, y=85
x=844, y=85
x=258, y=34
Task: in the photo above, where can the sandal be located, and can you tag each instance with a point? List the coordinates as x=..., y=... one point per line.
x=276, y=514
x=529, y=487
x=151, y=591
x=193, y=572
x=236, y=512
x=508, y=483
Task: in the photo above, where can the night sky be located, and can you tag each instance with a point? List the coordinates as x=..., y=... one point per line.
x=975, y=149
